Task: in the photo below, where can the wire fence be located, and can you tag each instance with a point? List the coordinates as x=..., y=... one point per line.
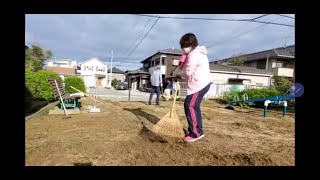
x=216, y=90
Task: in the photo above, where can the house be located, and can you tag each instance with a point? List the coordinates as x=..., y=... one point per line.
x=167, y=60
x=116, y=74
x=239, y=75
x=137, y=78
x=94, y=73
x=226, y=77
x=280, y=61
x=64, y=67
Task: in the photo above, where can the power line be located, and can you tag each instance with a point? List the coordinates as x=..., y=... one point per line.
x=240, y=27
x=234, y=37
x=285, y=16
x=139, y=42
x=280, y=24
x=249, y=50
x=215, y=19
x=133, y=42
x=226, y=40
x=194, y=18
x=260, y=17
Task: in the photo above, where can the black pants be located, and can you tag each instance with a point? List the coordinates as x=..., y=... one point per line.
x=157, y=90
x=193, y=112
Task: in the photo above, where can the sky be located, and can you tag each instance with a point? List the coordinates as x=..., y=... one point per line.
x=83, y=36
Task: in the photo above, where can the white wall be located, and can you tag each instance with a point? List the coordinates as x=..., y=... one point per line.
x=222, y=78
x=117, y=76
x=89, y=81
x=162, y=66
x=162, y=69
x=286, y=72
x=62, y=63
x=263, y=80
x=74, y=64
x=94, y=63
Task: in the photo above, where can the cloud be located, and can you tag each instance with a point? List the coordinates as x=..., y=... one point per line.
x=82, y=36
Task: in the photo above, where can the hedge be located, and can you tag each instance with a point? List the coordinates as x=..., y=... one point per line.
x=252, y=93
x=76, y=82
x=37, y=86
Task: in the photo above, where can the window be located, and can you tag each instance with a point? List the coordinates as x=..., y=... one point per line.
x=277, y=64
x=163, y=61
x=235, y=81
x=104, y=69
x=157, y=61
x=91, y=68
x=97, y=68
x=175, y=62
x=84, y=68
x=146, y=65
x=261, y=64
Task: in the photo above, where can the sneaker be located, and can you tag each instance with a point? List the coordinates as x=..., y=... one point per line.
x=191, y=139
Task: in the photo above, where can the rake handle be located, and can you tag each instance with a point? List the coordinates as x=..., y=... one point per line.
x=174, y=98
x=87, y=95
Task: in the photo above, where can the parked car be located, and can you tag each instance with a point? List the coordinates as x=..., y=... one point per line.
x=121, y=86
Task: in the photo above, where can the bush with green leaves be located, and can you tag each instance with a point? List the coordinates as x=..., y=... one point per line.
x=37, y=86
x=252, y=94
x=75, y=82
x=114, y=82
x=282, y=84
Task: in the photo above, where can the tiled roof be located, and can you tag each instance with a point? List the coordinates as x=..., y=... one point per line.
x=116, y=70
x=171, y=51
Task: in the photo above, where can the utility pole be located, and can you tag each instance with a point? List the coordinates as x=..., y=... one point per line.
x=110, y=74
x=267, y=63
x=111, y=61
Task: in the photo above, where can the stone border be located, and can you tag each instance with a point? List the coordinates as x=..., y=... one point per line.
x=42, y=109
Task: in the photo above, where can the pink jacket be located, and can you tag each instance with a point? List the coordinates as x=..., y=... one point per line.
x=196, y=70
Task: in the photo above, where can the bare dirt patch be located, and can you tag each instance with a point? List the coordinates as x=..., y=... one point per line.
x=121, y=135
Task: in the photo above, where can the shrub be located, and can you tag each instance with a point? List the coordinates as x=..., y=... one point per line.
x=252, y=93
x=114, y=82
x=75, y=82
x=37, y=86
x=282, y=84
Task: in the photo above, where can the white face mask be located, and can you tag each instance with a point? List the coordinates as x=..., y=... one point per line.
x=186, y=50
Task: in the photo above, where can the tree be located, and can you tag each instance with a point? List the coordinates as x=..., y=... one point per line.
x=237, y=60
x=114, y=82
x=75, y=82
x=35, y=58
x=282, y=84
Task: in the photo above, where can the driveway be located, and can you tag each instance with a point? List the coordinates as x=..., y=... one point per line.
x=121, y=95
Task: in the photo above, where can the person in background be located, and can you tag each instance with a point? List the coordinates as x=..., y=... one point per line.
x=194, y=67
x=156, y=82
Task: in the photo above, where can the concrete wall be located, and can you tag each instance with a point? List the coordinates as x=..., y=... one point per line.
x=222, y=78
x=119, y=77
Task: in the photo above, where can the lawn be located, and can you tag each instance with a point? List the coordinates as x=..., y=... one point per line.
x=120, y=136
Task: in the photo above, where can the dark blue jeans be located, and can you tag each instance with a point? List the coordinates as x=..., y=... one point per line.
x=157, y=90
x=193, y=112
